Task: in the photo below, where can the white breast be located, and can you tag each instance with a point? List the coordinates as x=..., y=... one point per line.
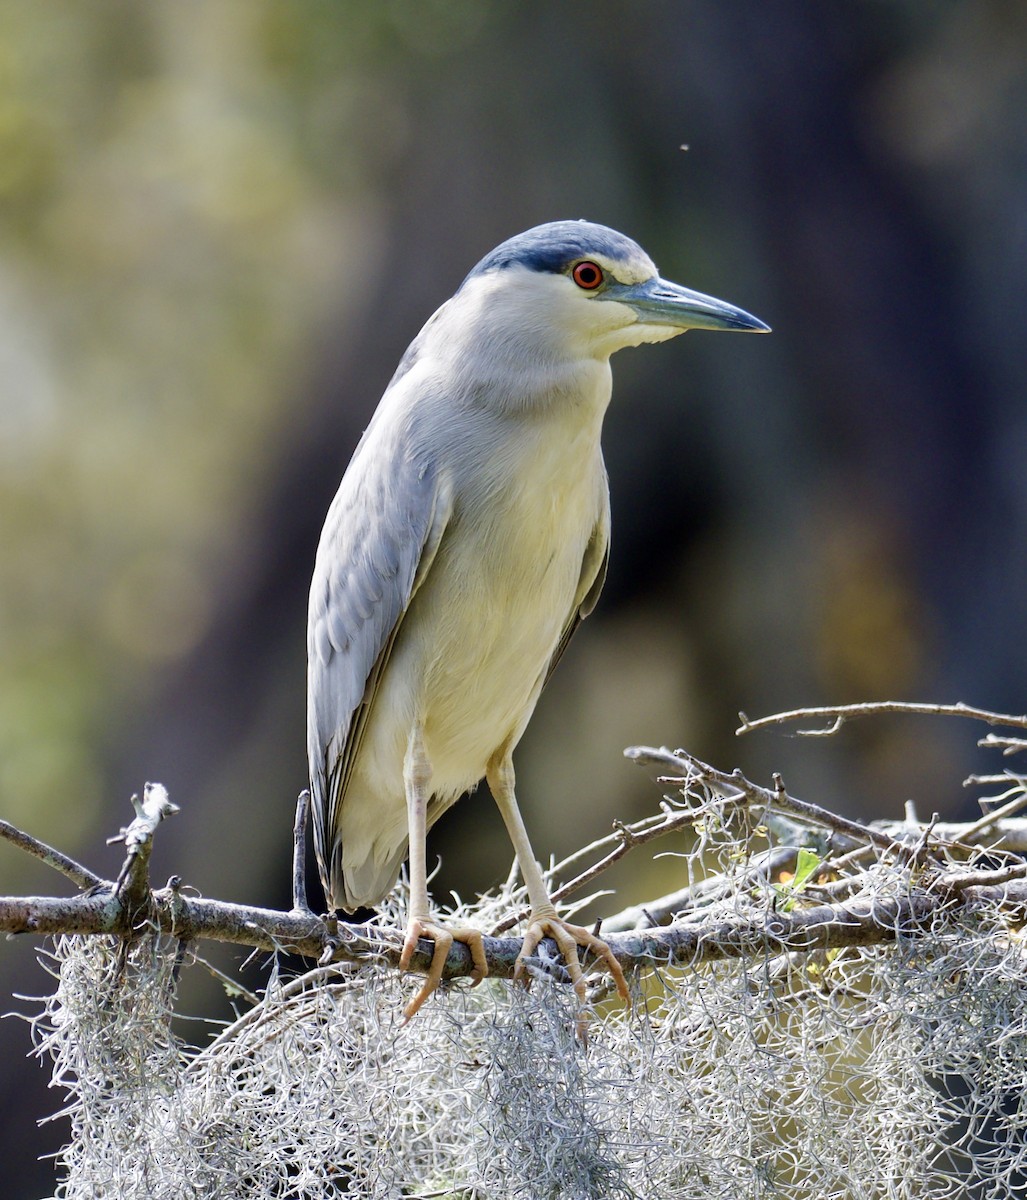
x=475, y=644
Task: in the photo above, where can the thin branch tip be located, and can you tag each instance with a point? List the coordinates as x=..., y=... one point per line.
x=299, y=850
x=133, y=882
x=79, y=875
x=838, y=714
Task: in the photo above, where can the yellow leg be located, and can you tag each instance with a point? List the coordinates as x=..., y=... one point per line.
x=544, y=921
x=417, y=781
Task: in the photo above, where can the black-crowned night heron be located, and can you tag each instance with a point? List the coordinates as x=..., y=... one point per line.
x=466, y=543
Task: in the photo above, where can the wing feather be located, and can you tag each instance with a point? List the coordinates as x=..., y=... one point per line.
x=378, y=541
x=590, y=582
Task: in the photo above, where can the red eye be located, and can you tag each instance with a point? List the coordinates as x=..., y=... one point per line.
x=587, y=275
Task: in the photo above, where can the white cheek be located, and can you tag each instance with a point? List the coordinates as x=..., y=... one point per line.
x=608, y=319
x=635, y=333
x=655, y=333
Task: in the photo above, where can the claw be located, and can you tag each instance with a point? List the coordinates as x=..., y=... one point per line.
x=568, y=938
x=443, y=939
x=330, y=937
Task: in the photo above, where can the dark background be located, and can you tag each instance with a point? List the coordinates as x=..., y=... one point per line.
x=222, y=222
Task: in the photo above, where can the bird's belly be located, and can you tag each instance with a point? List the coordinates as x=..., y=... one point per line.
x=481, y=688
x=472, y=653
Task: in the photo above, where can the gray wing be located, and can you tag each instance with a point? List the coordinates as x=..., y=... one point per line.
x=590, y=583
x=379, y=539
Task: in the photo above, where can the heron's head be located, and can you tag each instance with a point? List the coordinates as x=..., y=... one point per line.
x=587, y=289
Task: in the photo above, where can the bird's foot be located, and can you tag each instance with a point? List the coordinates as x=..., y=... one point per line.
x=330, y=940
x=568, y=937
x=443, y=937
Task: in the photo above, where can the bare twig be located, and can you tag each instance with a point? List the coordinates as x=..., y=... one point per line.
x=1008, y=745
x=133, y=882
x=735, y=785
x=889, y=836
x=845, y=861
x=960, y=881
x=702, y=895
x=232, y=986
x=1003, y=833
x=837, y=715
x=992, y=818
x=299, y=853
x=77, y=873
x=623, y=839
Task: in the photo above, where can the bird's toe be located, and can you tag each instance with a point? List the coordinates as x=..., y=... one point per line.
x=569, y=938
x=443, y=938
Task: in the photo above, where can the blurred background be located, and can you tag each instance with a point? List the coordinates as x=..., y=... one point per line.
x=222, y=221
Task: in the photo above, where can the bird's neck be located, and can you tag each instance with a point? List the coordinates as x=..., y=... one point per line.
x=520, y=370
x=540, y=390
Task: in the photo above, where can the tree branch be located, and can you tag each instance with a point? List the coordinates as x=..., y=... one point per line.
x=837, y=715
x=77, y=873
x=725, y=916
x=736, y=787
x=855, y=922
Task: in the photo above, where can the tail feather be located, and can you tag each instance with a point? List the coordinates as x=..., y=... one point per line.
x=363, y=884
